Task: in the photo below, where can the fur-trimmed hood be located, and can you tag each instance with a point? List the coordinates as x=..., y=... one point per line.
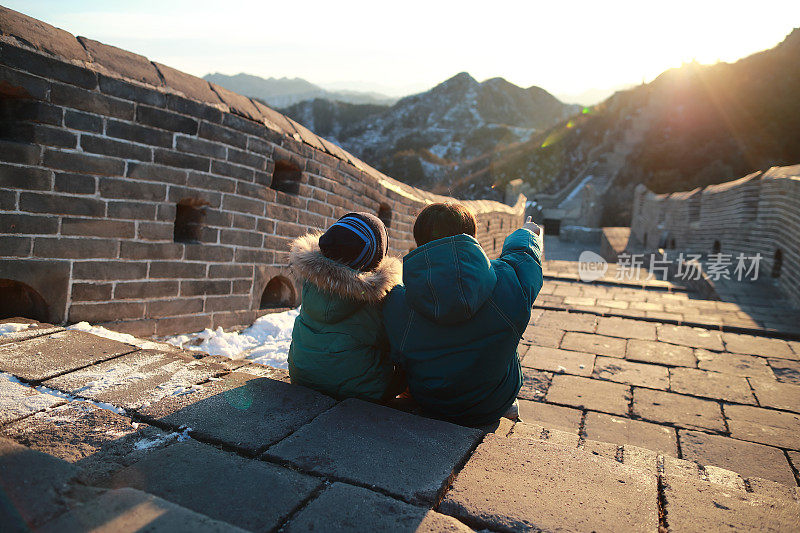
x=308, y=264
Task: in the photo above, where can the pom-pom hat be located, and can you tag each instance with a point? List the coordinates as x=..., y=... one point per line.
x=358, y=240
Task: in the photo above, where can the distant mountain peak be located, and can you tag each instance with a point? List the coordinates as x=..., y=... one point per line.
x=284, y=91
x=462, y=79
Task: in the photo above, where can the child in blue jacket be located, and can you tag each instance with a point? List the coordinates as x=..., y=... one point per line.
x=455, y=323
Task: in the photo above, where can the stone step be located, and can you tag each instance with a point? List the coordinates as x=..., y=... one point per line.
x=648, y=461
x=521, y=482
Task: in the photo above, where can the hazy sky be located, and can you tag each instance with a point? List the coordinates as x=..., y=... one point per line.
x=566, y=47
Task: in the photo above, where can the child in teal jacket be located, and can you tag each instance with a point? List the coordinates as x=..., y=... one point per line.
x=339, y=345
x=455, y=323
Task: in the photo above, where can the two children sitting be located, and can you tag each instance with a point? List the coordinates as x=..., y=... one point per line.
x=446, y=323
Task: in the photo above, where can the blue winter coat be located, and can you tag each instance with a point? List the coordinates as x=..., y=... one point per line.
x=455, y=323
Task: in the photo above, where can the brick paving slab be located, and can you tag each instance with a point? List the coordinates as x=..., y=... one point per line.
x=353, y=440
x=765, y=347
x=710, y=385
x=626, y=328
x=794, y=458
x=541, y=336
x=682, y=411
x=32, y=484
x=786, y=371
x=745, y=458
x=137, y=379
x=619, y=430
x=659, y=353
x=732, y=363
x=548, y=487
x=534, y=384
x=552, y=416
x=766, y=426
x=689, y=336
x=556, y=360
x=695, y=505
x=596, y=344
x=771, y=393
x=525, y=430
x=227, y=362
x=43, y=357
x=18, y=401
x=772, y=489
x=343, y=507
x=250, y=494
x=795, y=346
x=586, y=323
x=641, y=458
x=36, y=329
x=94, y=439
x=241, y=410
x=127, y=509
x=590, y=394
x=609, y=450
x=680, y=467
x=724, y=477
x=622, y=371
x=278, y=374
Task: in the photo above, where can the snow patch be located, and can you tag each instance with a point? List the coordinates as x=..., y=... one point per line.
x=265, y=342
x=71, y=398
x=116, y=336
x=13, y=327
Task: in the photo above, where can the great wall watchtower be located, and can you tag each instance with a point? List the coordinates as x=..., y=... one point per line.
x=155, y=202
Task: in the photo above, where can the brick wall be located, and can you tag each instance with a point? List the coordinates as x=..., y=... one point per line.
x=756, y=214
x=139, y=196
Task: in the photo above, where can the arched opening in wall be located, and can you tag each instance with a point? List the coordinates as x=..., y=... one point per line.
x=494, y=244
x=672, y=243
x=385, y=214
x=716, y=248
x=20, y=300
x=644, y=240
x=777, y=263
x=488, y=225
x=286, y=177
x=278, y=293
x=190, y=215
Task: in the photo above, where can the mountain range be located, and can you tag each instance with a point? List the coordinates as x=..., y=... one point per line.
x=690, y=127
x=423, y=138
x=282, y=92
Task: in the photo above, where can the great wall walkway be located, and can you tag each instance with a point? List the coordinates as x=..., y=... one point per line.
x=628, y=423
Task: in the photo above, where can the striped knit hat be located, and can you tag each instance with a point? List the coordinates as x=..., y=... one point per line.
x=358, y=240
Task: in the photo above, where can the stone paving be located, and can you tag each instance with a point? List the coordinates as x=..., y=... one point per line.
x=636, y=422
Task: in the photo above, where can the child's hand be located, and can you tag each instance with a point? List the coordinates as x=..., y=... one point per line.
x=531, y=225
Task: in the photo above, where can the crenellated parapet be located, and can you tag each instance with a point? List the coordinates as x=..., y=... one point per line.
x=137, y=195
x=756, y=214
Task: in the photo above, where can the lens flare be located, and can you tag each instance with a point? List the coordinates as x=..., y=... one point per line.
x=240, y=398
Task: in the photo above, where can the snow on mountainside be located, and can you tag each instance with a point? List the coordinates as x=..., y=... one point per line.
x=423, y=138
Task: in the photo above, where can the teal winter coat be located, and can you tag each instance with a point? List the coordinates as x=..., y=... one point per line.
x=339, y=345
x=455, y=323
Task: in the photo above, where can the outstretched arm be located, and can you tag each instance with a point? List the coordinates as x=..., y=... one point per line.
x=522, y=250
